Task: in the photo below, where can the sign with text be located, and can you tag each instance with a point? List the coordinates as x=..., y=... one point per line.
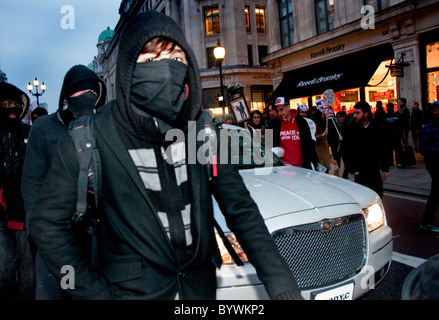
x=382, y=95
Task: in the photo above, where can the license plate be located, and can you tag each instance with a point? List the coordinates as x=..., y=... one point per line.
x=340, y=293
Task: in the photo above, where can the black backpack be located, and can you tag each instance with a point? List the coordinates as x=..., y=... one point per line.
x=88, y=212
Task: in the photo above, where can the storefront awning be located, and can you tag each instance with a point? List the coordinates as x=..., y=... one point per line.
x=345, y=72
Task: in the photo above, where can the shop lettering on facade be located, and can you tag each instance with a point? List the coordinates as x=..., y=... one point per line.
x=382, y=95
x=328, y=50
x=334, y=77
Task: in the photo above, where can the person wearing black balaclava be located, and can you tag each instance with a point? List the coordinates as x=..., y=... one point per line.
x=17, y=257
x=157, y=231
x=81, y=94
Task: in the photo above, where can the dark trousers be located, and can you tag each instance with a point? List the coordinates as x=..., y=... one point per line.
x=17, y=265
x=433, y=200
x=371, y=179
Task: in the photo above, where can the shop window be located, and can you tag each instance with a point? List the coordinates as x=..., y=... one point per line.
x=382, y=86
x=432, y=54
x=349, y=96
x=378, y=4
x=433, y=86
x=260, y=20
x=259, y=95
x=211, y=20
x=324, y=15
x=286, y=22
x=247, y=18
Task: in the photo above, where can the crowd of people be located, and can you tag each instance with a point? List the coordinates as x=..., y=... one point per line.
x=362, y=143
x=156, y=237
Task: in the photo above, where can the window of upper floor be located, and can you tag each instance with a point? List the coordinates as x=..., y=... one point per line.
x=260, y=19
x=378, y=4
x=211, y=20
x=247, y=19
x=286, y=19
x=325, y=14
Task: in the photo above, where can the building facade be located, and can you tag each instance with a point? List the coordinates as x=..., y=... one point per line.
x=362, y=49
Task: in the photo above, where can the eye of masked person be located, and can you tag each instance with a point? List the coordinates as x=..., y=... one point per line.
x=162, y=49
x=9, y=104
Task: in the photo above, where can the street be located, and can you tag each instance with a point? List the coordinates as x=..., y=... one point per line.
x=411, y=245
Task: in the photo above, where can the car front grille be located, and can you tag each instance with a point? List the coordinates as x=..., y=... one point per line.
x=324, y=253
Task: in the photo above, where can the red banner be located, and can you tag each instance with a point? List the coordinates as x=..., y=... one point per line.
x=382, y=95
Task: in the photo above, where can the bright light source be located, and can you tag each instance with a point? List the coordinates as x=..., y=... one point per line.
x=219, y=52
x=374, y=216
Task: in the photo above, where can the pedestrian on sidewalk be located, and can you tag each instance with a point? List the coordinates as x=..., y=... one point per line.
x=393, y=130
x=416, y=123
x=405, y=119
x=367, y=149
x=429, y=148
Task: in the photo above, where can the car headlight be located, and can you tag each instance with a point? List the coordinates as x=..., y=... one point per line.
x=225, y=255
x=374, y=216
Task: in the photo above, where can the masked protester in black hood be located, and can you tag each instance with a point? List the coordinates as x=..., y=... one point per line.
x=17, y=259
x=157, y=233
x=82, y=93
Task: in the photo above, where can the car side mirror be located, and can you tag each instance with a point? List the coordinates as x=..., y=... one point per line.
x=278, y=151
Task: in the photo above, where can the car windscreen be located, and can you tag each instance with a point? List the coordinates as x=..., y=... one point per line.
x=240, y=148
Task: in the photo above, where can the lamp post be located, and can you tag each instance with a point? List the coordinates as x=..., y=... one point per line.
x=36, y=94
x=219, y=53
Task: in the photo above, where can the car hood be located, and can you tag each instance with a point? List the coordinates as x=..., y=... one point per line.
x=289, y=189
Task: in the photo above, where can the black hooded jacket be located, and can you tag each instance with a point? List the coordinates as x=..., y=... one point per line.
x=49, y=130
x=136, y=257
x=13, y=142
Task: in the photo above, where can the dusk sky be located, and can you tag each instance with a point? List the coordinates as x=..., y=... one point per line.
x=44, y=39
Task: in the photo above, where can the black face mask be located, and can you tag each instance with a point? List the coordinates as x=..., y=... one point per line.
x=10, y=123
x=158, y=89
x=82, y=105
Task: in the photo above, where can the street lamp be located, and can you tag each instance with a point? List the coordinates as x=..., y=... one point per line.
x=219, y=53
x=36, y=94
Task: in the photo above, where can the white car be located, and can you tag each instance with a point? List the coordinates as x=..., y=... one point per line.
x=332, y=232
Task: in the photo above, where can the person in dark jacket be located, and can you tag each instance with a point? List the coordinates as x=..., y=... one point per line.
x=416, y=123
x=157, y=237
x=82, y=92
x=380, y=114
x=405, y=120
x=393, y=129
x=429, y=148
x=366, y=149
x=17, y=257
x=38, y=112
x=256, y=125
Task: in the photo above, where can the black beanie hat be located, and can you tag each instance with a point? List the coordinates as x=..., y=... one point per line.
x=84, y=85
